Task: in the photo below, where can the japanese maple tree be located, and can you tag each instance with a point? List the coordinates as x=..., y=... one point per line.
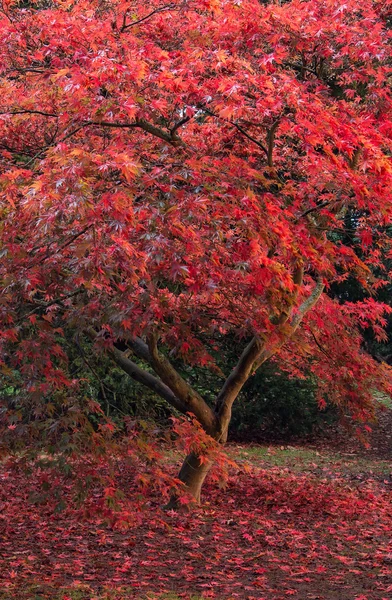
x=173, y=174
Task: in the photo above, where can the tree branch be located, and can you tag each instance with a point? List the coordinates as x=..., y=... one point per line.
x=126, y=26
x=62, y=247
x=313, y=209
x=147, y=379
x=307, y=304
x=257, y=352
x=137, y=346
x=238, y=127
x=28, y=112
x=353, y=162
x=178, y=125
x=182, y=390
x=300, y=68
x=234, y=383
x=45, y=305
x=140, y=375
x=249, y=137
x=298, y=276
x=270, y=141
x=320, y=346
x=288, y=330
x=170, y=137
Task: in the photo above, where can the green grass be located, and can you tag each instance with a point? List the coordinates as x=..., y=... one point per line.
x=383, y=399
x=299, y=459
x=37, y=592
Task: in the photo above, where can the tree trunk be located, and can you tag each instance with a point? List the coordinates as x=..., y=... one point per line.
x=192, y=474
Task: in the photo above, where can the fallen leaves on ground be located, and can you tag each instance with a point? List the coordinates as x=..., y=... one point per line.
x=271, y=534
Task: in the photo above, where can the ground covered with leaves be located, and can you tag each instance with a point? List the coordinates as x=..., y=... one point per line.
x=300, y=524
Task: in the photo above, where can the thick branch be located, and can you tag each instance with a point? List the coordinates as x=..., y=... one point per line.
x=307, y=304
x=172, y=388
x=353, y=162
x=137, y=346
x=257, y=352
x=145, y=378
x=271, y=141
x=298, y=276
x=290, y=328
x=235, y=382
x=187, y=395
x=169, y=137
x=140, y=348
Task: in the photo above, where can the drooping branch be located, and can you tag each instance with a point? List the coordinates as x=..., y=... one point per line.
x=182, y=390
x=147, y=379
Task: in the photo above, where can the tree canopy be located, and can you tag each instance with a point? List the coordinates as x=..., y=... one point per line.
x=172, y=174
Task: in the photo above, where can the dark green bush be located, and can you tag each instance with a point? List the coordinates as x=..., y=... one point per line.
x=116, y=392
x=274, y=406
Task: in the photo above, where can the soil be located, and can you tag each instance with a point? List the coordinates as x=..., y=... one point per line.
x=378, y=444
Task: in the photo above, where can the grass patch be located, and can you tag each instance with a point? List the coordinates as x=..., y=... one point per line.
x=300, y=459
x=38, y=592
x=383, y=399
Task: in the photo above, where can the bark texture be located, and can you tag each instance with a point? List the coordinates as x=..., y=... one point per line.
x=192, y=474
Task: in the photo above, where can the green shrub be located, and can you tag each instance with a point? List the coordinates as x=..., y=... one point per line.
x=116, y=392
x=276, y=406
